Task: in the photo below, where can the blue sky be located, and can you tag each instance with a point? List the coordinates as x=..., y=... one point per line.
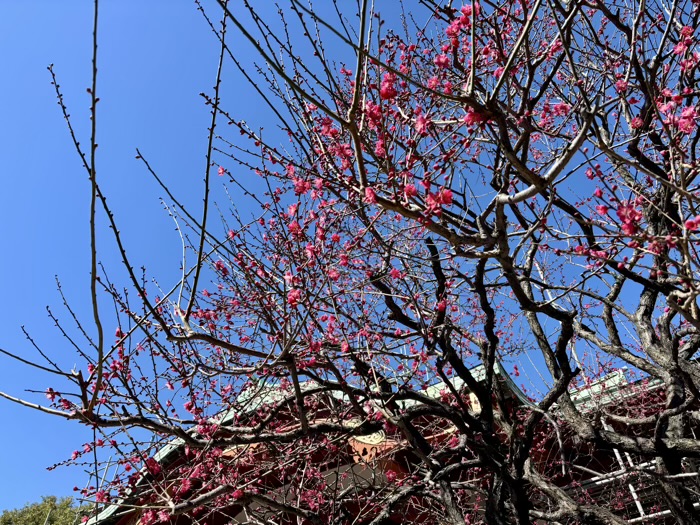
x=155, y=59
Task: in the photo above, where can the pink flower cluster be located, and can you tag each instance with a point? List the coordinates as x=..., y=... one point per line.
x=374, y=113
x=387, y=89
x=434, y=201
x=422, y=124
x=630, y=217
x=463, y=21
x=473, y=117
x=294, y=297
x=686, y=121
x=693, y=224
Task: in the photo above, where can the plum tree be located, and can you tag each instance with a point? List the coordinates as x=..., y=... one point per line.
x=464, y=191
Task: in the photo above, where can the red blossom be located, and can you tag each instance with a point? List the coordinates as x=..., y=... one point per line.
x=370, y=196
x=295, y=229
x=422, y=124
x=410, y=190
x=387, y=89
x=621, y=86
x=473, y=117
x=294, y=297
x=442, y=61
x=692, y=224
x=445, y=196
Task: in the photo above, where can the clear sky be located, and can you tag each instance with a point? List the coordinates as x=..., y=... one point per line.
x=156, y=56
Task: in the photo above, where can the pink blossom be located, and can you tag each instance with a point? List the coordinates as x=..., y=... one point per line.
x=237, y=494
x=222, y=171
x=295, y=229
x=680, y=48
x=445, y=196
x=692, y=224
x=153, y=466
x=387, y=89
x=221, y=268
x=432, y=202
x=472, y=117
x=556, y=47
x=379, y=149
x=686, y=126
x=667, y=107
x=630, y=217
x=454, y=28
x=442, y=61
x=294, y=297
x=374, y=113
x=467, y=9
x=422, y=125
x=395, y=274
x=390, y=476
x=602, y=209
x=598, y=193
x=327, y=128
x=185, y=486
x=561, y=109
x=690, y=63
x=301, y=186
x=686, y=123
x=410, y=190
x=621, y=86
x=636, y=123
x=370, y=196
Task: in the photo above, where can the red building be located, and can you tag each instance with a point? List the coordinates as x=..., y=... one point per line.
x=622, y=483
